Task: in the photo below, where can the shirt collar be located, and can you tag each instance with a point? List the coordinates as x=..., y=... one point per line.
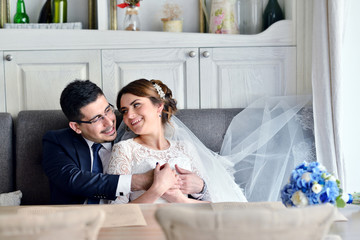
x=106, y=145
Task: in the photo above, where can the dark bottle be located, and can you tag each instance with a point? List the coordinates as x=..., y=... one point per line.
x=272, y=14
x=59, y=12
x=45, y=13
x=20, y=15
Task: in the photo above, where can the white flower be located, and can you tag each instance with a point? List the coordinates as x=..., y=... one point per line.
x=322, y=168
x=316, y=188
x=306, y=176
x=345, y=197
x=332, y=178
x=299, y=199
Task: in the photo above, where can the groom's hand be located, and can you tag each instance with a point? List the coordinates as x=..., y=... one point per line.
x=190, y=182
x=142, y=181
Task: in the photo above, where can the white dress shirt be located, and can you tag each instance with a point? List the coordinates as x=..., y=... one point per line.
x=124, y=183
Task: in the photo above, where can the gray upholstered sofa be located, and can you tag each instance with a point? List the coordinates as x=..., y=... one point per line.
x=21, y=145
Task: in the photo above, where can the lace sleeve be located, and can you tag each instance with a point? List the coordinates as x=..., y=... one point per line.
x=195, y=162
x=120, y=164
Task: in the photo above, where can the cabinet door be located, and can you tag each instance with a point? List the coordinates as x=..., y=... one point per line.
x=234, y=77
x=176, y=67
x=2, y=84
x=35, y=79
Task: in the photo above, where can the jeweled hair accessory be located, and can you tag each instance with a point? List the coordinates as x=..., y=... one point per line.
x=159, y=90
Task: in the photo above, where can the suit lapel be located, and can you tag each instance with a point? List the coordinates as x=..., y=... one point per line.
x=83, y=153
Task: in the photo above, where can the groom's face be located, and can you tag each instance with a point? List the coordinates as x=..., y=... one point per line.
x=104, y=129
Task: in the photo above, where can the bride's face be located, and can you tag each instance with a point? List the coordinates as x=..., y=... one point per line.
x=140, y=114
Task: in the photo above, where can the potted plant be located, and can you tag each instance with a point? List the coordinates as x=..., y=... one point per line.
x=172, y=20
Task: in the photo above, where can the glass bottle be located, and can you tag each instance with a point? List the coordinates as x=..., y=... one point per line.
x=131, y=21
x=45, y=13
x=59, y=11
x=20, y=15
x=250, y=16
x=272, y=14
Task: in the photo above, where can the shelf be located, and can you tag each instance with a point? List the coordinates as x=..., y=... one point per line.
x=279, y=34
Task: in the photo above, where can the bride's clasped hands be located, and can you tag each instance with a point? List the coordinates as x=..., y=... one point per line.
x=165, y=180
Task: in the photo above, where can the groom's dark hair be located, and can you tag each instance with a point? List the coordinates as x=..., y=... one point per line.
x=76, y=95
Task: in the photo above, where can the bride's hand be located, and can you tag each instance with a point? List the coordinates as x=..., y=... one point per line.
x=190, y=182
x=164, y=178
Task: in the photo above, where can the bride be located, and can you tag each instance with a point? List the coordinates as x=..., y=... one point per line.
x=257, y=153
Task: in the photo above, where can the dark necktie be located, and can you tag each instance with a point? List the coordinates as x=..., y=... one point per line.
x=97, y=166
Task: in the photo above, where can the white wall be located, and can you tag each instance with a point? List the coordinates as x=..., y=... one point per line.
x=351, y=84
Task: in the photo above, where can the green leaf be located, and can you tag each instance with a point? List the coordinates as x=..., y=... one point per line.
x=340, y=203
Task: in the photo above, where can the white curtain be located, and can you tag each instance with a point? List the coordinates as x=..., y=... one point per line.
x=328, y=25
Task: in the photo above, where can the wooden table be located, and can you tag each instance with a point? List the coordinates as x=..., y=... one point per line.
x=152, y=231
x=349, y=230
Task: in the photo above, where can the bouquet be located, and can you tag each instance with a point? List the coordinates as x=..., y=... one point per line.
x=129, y=3
x=310, y=184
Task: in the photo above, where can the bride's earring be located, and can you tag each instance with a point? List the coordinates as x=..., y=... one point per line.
x=159, y=115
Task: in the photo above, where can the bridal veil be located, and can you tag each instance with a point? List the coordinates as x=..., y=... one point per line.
x=261, y=147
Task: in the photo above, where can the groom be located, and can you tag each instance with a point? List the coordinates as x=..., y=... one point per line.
x=74, y=166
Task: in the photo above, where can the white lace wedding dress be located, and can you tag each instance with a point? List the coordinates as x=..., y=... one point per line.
x=130, y=157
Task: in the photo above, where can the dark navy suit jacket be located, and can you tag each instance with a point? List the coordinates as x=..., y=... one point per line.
x=66, y=162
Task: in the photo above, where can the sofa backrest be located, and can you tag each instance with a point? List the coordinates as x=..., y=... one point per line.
x=6, y=153
x=29, y=130
x=209, y=125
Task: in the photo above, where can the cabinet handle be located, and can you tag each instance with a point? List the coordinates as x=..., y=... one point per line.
x=9, y=57
x=206, y=54
x=192, y=54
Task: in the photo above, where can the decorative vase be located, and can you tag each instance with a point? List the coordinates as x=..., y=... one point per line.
x=172, y=25
x=222, y=17
x=131, y=20
x=272, y=14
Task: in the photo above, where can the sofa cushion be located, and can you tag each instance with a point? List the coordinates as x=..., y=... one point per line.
x=30, y=177
x=70, y=224
x=11, y=198
x=6, y=153
x=251, y=222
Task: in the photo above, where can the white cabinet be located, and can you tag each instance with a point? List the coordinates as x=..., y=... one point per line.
x=205, y=77
x=2, y=84
x=176, y=67
x=234, y=77
x=35, y=79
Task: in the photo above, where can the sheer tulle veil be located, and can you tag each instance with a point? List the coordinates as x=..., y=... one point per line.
x=262, y=145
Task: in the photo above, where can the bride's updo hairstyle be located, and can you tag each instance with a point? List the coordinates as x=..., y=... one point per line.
x=156, y=91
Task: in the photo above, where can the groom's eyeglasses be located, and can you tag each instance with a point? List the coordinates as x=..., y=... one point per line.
x=109, y=111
